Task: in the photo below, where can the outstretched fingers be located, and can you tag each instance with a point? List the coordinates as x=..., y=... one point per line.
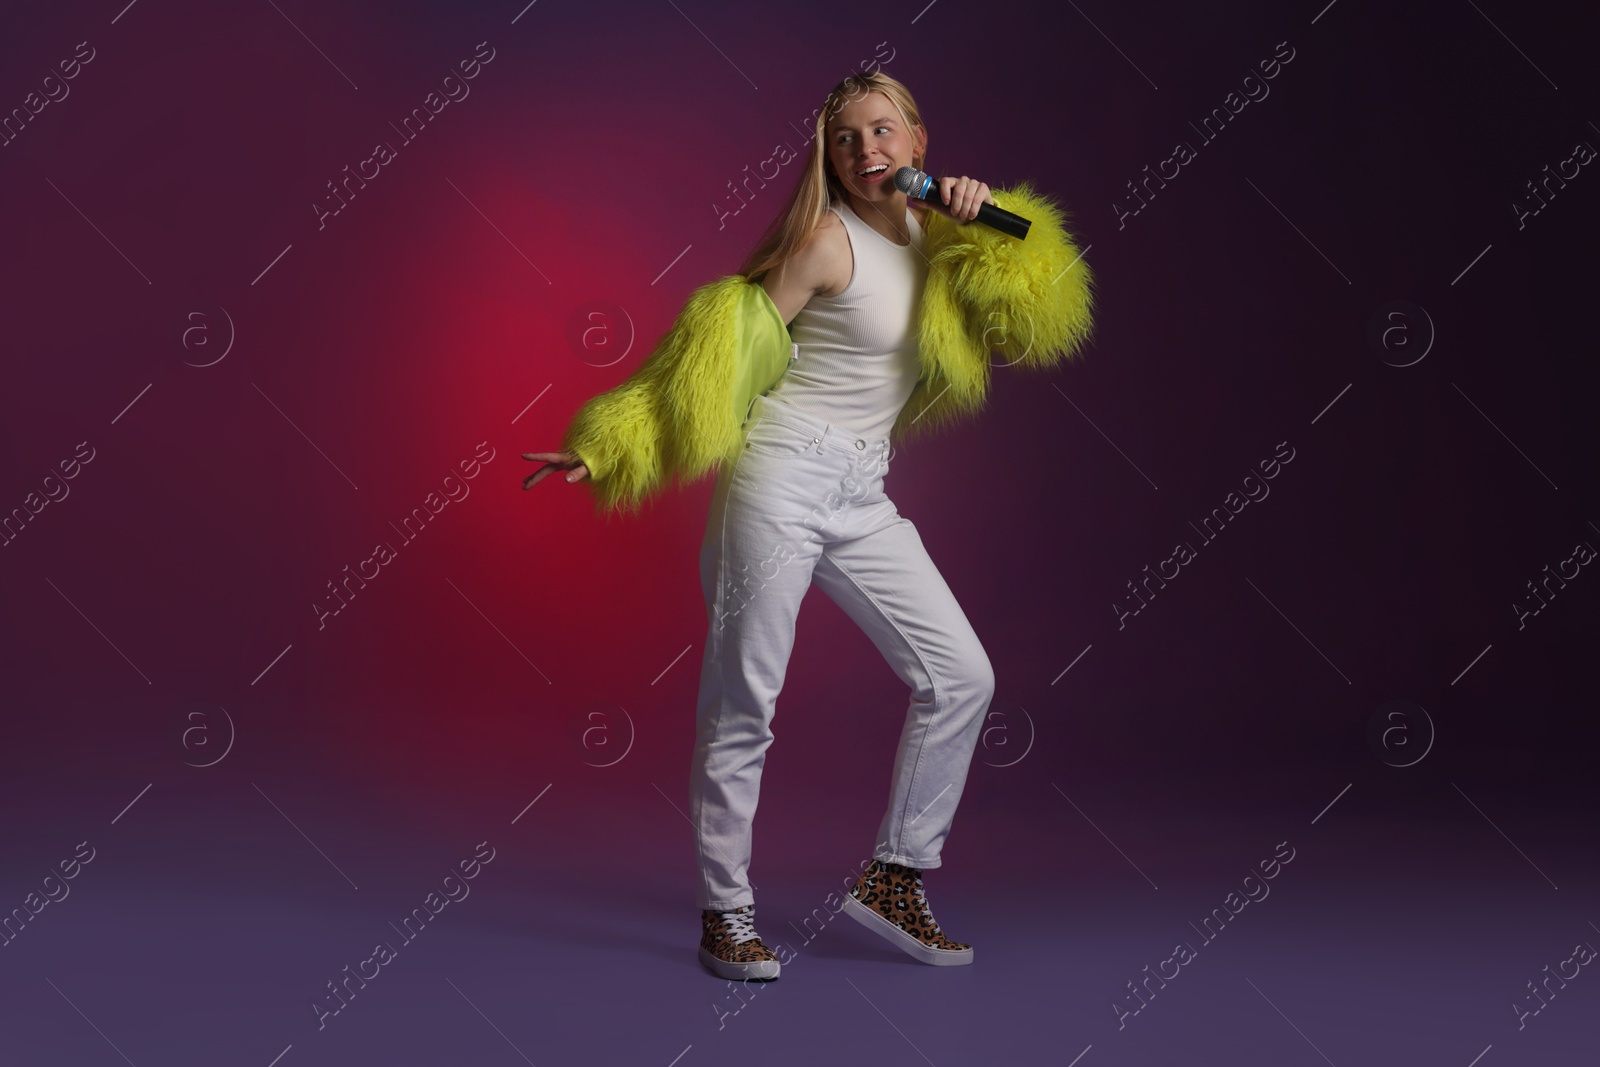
x=554, y=461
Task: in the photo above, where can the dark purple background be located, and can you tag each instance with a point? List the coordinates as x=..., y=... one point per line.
x=523, y=651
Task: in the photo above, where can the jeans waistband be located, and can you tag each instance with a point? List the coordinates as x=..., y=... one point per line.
x=828, y=433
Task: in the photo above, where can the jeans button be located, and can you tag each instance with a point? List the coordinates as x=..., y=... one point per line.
x=860, y=443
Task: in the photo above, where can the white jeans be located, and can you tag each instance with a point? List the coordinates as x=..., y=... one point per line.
x=804, y=500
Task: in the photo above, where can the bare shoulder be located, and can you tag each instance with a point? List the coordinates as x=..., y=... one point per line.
x=823, y=265
x=832, y=262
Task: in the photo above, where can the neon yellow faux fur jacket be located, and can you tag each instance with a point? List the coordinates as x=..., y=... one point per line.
x=682, y=411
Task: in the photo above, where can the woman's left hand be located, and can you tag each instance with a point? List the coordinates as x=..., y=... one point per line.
x=960, y=197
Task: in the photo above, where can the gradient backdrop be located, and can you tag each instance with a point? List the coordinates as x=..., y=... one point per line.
x=1382, y=665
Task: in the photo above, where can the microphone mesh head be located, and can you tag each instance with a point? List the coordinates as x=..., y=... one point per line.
x=906, y=178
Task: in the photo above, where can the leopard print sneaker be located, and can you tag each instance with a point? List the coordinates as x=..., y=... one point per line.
x=888, y=900
x=731, y=948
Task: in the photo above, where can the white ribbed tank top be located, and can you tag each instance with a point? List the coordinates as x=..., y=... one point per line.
x=858, y=356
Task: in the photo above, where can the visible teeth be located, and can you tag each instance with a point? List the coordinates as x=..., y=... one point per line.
x=874, y=169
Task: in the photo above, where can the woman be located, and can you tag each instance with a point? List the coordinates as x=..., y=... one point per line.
x=800, y=499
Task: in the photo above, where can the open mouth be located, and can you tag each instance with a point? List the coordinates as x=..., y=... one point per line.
x=873, y=173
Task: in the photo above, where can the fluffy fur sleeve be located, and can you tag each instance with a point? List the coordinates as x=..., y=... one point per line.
x=1030, y=302
x=679, y=414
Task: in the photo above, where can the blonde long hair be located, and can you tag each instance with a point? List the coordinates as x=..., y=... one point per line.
x=818, y=186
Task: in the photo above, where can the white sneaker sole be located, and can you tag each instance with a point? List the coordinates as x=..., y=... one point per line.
x=911, y=946
x=738, y=972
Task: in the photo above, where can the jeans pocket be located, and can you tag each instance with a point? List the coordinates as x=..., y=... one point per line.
x=768, y=437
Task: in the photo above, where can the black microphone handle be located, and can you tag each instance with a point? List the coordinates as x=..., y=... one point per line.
x=997, y=217
x=909, y=180
x=1004, y=221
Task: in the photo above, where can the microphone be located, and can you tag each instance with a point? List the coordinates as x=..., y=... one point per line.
x=913, y=182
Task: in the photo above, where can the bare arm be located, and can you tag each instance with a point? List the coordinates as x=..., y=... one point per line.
x=823, y=265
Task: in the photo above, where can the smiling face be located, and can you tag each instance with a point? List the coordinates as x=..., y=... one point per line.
x=867, y=142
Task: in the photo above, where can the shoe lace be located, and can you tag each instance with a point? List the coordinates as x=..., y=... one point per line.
x=741, y=925
x=914, y=875
x=922, y=901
